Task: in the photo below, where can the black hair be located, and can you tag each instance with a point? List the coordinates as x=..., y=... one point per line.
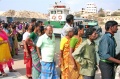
x=110, y=24
x=26, y=27
x=89, y=31
x=69, y=18
x=42, y=29
x=33, y=20
x=37, y=24
x=40, y=21
x=14, y=26
x=5, y=25
x=75, y=29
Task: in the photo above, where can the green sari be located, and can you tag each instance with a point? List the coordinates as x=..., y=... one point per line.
x=35, y=59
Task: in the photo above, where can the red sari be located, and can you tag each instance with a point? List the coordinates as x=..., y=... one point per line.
x=28, y=62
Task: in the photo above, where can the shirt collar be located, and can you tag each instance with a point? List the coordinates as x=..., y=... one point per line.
x=46, y=36
x=67, y=25
x=89, y=42
x=109, y=34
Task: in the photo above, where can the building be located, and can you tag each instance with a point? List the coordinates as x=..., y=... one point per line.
x=91, y=8
x=1, y=12
x=108, y=12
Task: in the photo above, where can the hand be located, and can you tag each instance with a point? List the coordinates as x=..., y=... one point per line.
x=75, y=67
x=40, y=57
x=10, y=49
x=27, y=56
x=59, y=64
x=119, y=62
x=5, y=41
x=60, y=61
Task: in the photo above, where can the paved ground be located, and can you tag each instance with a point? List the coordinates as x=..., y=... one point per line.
x=19, y=66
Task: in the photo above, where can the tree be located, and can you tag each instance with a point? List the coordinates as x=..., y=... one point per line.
x=101, y=13
x=115, y=14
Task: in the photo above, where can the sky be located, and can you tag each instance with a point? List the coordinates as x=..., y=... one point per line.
x=43, y=5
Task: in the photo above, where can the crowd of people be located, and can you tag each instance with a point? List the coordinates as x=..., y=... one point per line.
x=77, y=58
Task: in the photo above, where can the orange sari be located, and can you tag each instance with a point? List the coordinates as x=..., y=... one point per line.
x=65, y=60
x=74, y=74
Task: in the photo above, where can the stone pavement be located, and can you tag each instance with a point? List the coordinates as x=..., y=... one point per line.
x=12, y=75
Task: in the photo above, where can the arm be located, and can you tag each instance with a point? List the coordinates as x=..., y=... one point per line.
x=72, y=47
x=26, y=48
x=9, y=45
x=28, y=40
x=60, y=57
x=73, y=60
x=114, y=60
x=38, y=47
x=38, y=52
x=78, y=55
x=2, y=42
x=61, y=51
x=9, y=34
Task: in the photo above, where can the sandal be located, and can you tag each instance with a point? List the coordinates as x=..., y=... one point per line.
x=29, y=77
x=4, y=74
x=12, y=70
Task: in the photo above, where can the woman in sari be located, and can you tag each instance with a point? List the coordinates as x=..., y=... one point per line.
x=27, y=52
x=15, y=39
x=75, y=41
x=5, y=56
x=64, y=53
x=32, y=40
x=7, y=29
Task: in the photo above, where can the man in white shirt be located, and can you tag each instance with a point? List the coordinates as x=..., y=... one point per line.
x=46, y=43
x=69, y=22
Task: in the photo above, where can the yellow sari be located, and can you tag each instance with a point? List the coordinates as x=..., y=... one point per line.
x=5, y=56
x=74, y=74
x=65, y=45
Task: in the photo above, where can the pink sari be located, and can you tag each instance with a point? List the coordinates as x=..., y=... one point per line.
x=5, y=55
x=3, y=35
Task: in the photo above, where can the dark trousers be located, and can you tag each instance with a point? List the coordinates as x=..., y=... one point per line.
x=107, y=70
x=89, y=77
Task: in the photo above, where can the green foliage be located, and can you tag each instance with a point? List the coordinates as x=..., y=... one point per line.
x=101, y=13
x=115, y=14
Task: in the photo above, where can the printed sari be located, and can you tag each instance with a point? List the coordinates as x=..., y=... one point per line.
x=65, y=60
x=74, y=74
x=5, y=55
x=36, y=66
